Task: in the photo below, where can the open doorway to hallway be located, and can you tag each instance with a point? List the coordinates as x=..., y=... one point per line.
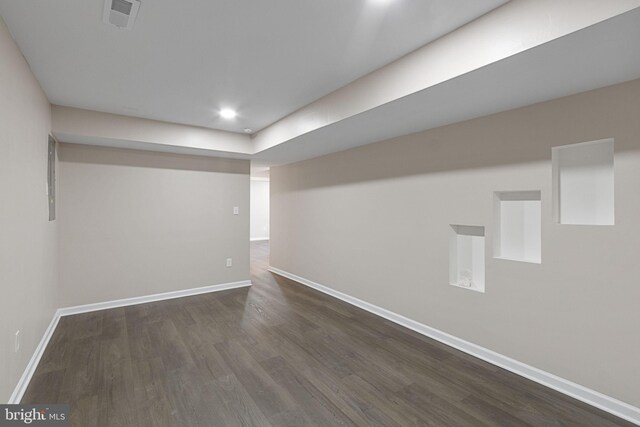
x=259, y=214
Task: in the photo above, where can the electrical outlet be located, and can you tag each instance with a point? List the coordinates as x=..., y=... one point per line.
x=16, y=344
x=236, y=210
x=229, y=262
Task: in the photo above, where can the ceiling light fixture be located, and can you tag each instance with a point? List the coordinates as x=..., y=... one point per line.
x=247, y=130
x=228, y=113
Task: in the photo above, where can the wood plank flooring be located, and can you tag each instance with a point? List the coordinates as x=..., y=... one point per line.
x=278, y=354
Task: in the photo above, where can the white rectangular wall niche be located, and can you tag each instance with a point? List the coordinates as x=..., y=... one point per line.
x=583, y=183
x=517, y=232
x=466, y=257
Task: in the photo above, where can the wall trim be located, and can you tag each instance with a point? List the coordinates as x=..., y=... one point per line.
x=577, y=391
x=25, y=379
x=67, y=311
x=258, y=239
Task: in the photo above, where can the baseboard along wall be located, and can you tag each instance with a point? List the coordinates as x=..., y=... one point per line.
x=594, y=398
x=25, y=379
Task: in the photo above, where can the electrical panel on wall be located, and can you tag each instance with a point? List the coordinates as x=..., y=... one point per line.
x=466, y=257
x=51, y=178
x=583, y=183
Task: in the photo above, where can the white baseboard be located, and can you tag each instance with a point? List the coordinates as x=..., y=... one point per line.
x=25, y=379
x=584, y=394
x=18, y=392
x=258, y=239
x=67, y=311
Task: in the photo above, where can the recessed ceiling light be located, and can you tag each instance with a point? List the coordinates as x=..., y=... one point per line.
x=228, y=113
x=247, y=130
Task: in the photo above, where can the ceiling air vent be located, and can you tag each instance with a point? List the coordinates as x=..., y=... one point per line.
x=121, y=13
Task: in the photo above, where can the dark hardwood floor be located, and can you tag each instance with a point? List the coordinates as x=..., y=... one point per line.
x=278, y=354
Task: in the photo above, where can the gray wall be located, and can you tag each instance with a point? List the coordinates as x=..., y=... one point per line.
x=373, y=222
x=27, y=239
x=135, y=223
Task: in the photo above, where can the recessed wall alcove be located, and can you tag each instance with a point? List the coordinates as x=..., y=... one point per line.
x=583, y=182
x=466, y=257
x=517, y=226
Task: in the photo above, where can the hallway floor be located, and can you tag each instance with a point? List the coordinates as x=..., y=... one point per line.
x=280, y=354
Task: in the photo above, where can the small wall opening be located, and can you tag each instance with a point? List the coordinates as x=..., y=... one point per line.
x=583, y=181
x=517, y=232
x=466, y=257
